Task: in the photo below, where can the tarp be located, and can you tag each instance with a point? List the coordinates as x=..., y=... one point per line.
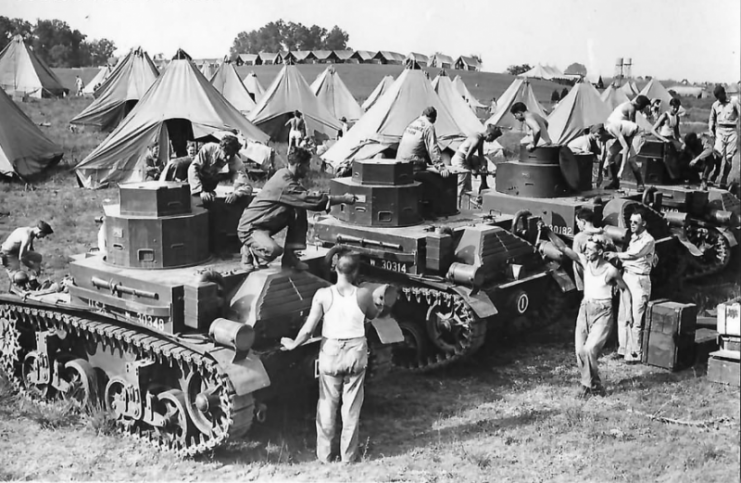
x=253, y=86
x=24, y=150
x=227, y=82
x=460, y=86
x=378, y=92
x=543, y=72
x=334, y=94
x=180, y=93
x=21, y=70
x=518, y=91
x=120, y=92
x=582, y=108
x=382, y=126
x=656, y=90
x=689, y=91
x=290, y=92
x=459, y=109
x=613, y=97
x=101, y=76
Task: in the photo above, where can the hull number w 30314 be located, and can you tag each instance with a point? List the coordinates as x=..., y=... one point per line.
x=389, y=265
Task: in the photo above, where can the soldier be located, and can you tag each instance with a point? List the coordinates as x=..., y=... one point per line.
x=215, y=163
x=469, y=159
x=628, y=109
x=723, y=124
x=418, y=144
x=536, y=126
x=343, y=356
x=17, y=253
x=282, y=203
x=152, y=164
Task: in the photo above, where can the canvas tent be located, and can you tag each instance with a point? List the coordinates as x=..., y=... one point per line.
x=228, y=83
x=181, y=105
x=290, y=92
x=253, y=86
x=468, y=63
x=99, y=78
x=459, y=109
x=460, y=86
x=22, y=71
x=118, y=95
x=24, y=149
x=518, y=91
x=334, y=94
x=390, y=58
x=208, y=70
x=613, y=97
x=543, y=72
x=656, y=90
x=581, y=109
x=630, y=89
x=381, y=128
x=380, y=89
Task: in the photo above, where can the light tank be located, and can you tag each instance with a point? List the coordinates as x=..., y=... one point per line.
x=710, y=219
x=554, y=184
x=182, y=346
x=459, y=274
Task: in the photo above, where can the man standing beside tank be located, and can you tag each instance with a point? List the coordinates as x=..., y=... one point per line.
x=215, y=163
x=724, y=125
x=343, y=356
x=282, y=203
x=638, y=261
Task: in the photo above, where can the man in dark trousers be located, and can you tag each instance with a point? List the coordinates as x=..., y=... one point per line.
x=282, y=203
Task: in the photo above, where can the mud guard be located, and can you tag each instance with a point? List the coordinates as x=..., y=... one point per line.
x=691, y=247
x=388, y=329
x=479, y=302
x=728, y=235
x=563, y=280
x=247, y=374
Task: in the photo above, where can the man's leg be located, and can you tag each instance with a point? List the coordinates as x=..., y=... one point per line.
x=326, y=414
x=260, y=244
x=296, y=240
x=729, y=140
x=353, y=394
x=600, y=317
x=622, y=322
x=640, y=290
x=464, y=184
x=580, y=337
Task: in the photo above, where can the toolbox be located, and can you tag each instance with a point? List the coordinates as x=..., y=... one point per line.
x=669, y=334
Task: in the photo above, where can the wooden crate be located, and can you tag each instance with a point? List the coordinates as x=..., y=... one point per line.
x=723, y=367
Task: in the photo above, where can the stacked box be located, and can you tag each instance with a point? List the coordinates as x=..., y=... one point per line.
x=669, y=334
x=723, y=365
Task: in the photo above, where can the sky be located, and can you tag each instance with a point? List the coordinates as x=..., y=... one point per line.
x=699, y=40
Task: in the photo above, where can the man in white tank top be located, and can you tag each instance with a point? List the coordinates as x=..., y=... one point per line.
x=594, y=322
x=343, y=356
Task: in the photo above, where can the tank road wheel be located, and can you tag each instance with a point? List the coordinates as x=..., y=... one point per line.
x=448, y=329
x=115, y=400
x=32, y=366
x=552, y=306
x=82, y=382
x=10, y=346
x=173, y=407
x=203, y=403
x=716, y=252
x=413, y=351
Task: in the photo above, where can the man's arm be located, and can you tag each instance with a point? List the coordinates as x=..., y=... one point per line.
x=615, y=276
x=366, y=303
x=194, y=172
x=560, y=245
x=535, y=128
x=242, y=186
x=315, y=315
x=713, y=119
x=26, y=245
x=633, y=252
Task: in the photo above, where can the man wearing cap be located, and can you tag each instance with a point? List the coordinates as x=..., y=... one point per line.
x=215, y=163
x=17, y=253
x=723, y=124
x=282, y=203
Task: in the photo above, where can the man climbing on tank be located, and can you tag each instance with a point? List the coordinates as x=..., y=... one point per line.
x=470, y=161
x=282, y=203
x=216, y=163
x=343, y=356
x=18, y=255
x=595, y=143
x=699, y=154
x=535, y=124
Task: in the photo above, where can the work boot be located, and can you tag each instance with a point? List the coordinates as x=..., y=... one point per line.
x=291, y=260
x=598, y=390
x=584, y=392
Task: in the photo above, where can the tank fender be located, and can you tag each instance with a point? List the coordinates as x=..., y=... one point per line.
x=682, y=237
x=388, y=329
x=479, y=302
x=563, y=280
x=728, y=235
x=246, y=373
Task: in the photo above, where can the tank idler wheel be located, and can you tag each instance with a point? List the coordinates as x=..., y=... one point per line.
x=446, y=330
x=173, y=407
x=30, y=372
x=413, y=351
x=115, y=401
x=82, y=380
x=203, y=403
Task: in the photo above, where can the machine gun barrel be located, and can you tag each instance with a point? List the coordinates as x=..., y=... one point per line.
x=117, y=287
x=366, y=241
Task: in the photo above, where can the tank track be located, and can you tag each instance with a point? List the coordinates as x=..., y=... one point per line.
x=237, y=411
x=472, y=326
x=714, y=262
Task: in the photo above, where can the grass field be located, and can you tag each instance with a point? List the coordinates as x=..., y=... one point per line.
x=508, y=414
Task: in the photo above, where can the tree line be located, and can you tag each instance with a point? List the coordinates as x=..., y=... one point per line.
x=56, y=43
x=281, y=36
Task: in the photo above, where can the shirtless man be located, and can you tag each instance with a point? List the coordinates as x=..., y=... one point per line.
x=17, y=252
x=535, y=124
x=297, y=130
x=627, y=110
x=470, y=161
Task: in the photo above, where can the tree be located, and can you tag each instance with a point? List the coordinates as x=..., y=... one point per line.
x=99, y=51
x=555, y=96
x=336, y=39
x=10, y=27
x=57, y=44
x=277, y=36
x=576, y=69
x=518, y=69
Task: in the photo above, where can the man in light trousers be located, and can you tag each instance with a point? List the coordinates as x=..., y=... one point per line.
x=723, y=124
x=638, y=261
x=343, y=355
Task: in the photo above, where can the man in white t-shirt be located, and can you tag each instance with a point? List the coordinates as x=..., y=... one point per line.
x=343, y=356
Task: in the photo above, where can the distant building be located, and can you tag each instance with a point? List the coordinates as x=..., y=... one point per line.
x=390, y=58
x=269, y=58
x=442, y=61
x=417, y=61
x=343, y=56
x=364, y=57
x=303, y=56
x=326, y=57
x=248, y=59
x=467, y=63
